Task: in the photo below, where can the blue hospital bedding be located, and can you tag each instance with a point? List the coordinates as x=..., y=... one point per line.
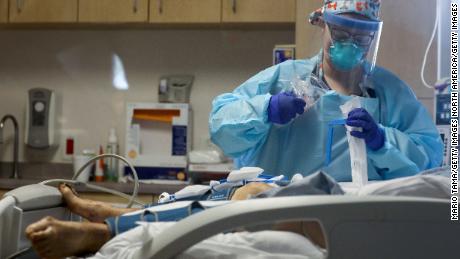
x=431, y=183
x=318, y=183
x=159, y=213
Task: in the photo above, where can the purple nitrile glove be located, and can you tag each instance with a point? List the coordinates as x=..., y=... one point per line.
x=373, y=135
x=283, y=107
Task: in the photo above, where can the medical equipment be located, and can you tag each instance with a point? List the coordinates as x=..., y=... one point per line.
x=158, y=139
x=330, y=137
x=235, y=178
x=357, y=146
x=442, y=86
x=366, y=227
x=430, y=42
x=175, y=89
x=244, y=173
x=309, y=90
x=14, y=174
x=442, y=115
x=208, y=154
x=25, y=205
x=40, y=129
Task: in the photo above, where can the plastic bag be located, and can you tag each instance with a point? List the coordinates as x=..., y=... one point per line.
x=309, y=90
x=357, y=146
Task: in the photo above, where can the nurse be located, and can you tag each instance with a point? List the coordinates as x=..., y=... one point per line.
x=263, y=123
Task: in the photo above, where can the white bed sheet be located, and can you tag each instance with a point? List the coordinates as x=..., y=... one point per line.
x=263, y=244
x=429, y=186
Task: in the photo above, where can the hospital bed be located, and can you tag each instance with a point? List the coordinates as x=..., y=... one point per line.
x=28, y=204
x=354, y=226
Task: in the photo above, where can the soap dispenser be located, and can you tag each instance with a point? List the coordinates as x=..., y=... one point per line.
x=40, y=126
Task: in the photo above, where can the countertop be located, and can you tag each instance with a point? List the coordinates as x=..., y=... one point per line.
x=155, y=188
x=32, y=173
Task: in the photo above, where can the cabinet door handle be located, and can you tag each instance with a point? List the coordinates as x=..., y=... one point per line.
x=135, y=5
x=160, y=6
x=19, y=5
x=234, y=6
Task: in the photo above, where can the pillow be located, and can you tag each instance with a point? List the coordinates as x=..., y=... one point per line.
x=422, y=185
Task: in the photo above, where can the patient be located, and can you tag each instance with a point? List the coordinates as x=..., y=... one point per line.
x=53, y=238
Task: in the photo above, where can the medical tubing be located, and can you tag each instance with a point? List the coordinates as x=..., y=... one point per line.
x=330, y=137
x=136, y=179
x=90, y=162
x=422, y=70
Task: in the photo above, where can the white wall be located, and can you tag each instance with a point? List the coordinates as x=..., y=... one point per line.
x=77, y=65
x=407, y=27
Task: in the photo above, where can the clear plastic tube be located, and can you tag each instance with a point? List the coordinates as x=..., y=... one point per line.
x=131, y=198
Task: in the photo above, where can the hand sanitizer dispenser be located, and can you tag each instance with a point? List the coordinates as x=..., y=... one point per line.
x=40, y=131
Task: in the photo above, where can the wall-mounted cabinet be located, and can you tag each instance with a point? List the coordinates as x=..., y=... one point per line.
x=3, y=11
x=212, y=12
x=113, y=11
x=258, y=11
x=185, y=11
x=43, y=11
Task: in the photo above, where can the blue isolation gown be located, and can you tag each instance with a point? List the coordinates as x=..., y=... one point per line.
x=239, y=124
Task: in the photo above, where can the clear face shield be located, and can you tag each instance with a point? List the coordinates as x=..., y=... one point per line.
x=352, y=42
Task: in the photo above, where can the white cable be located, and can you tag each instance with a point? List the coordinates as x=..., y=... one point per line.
x=422, y=76
x=131, y=198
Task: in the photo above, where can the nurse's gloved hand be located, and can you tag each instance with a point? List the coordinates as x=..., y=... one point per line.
x=283, y=107
x=373, y=135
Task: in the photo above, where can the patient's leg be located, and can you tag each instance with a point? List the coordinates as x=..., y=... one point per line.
x=94, y=211
x=52, y=238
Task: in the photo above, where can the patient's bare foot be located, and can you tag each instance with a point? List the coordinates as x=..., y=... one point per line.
x=94, y=211
x=52, y=238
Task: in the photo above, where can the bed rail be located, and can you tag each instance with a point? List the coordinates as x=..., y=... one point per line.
x=354, y=226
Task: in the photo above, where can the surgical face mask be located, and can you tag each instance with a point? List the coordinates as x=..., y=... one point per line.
x=354, y=41
x=346, y=55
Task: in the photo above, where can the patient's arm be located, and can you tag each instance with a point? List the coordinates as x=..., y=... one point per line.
x=94, y=211
x=52, y=238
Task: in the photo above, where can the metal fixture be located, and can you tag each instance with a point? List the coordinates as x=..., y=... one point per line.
x=19, y=5
x=234, y=6
x=14, y=174
x=160, y=6
x=135, y=5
